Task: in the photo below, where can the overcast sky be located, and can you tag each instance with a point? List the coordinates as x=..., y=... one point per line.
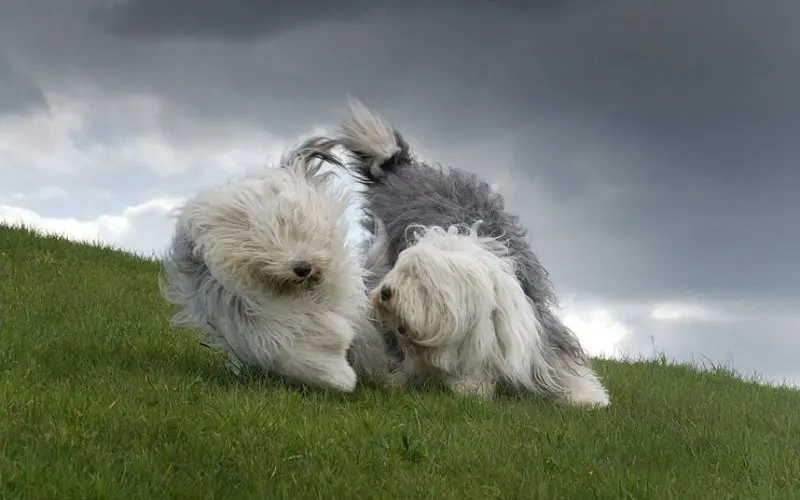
x=651, y=146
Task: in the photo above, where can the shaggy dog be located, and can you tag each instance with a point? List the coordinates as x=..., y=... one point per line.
x=472, y=306
x=263, y=266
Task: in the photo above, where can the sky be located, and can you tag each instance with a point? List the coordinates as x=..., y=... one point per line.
x=650, y=146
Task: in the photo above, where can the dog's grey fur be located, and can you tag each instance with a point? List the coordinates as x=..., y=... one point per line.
x=402, y=191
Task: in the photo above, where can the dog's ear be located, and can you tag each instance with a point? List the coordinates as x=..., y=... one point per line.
x=519, y=335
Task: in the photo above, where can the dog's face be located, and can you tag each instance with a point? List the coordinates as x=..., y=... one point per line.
x=437, y=293
x=279, y=232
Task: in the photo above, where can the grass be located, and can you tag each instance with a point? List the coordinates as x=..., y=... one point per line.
x=99, y=398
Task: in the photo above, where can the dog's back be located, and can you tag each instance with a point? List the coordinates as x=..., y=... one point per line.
x=402, y=191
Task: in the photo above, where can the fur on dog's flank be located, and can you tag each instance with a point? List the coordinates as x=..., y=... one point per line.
x=263, y=266
x=402, y=191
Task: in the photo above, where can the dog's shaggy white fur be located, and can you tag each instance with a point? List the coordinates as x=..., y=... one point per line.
x=461, y=316
x=475, y=308
x=263, y=266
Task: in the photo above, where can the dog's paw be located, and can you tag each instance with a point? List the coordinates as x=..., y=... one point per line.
x=592, y=399
x=475, y=386
x=331, y=372
x=342, y=378
x=582, y=387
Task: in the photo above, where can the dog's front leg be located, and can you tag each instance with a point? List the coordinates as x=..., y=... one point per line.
x=369, y=356
x=320, y=358
x=411, y=371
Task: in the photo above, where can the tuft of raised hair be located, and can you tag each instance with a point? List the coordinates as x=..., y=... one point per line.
x=309, y=156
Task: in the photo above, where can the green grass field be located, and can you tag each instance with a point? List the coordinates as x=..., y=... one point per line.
x=100, y=398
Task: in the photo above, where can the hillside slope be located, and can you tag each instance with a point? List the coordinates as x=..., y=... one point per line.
x=99, y=398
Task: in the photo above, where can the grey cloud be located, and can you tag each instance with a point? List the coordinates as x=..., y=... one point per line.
x=663, y=134
x=18, y=94
x=237, y=20
x=392, y=57
x=689, y=123
x=246, y=20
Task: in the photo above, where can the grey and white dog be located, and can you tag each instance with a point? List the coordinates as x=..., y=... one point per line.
x=474, y=307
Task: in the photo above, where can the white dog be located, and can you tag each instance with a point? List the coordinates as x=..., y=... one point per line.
x=461, y=316
x=264, y=267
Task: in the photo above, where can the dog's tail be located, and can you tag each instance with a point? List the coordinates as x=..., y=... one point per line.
x=372, y=143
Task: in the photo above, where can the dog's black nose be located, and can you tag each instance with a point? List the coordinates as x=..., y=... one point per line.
x=302, y=268
x=386, y=293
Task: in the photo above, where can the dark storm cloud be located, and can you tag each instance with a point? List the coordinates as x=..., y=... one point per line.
x=248, y=20
x=663, y=134
x=688, y=116
x=18, y=94
x=235, y=20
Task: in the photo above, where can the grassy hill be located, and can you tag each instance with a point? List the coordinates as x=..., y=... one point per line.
x=99, y=398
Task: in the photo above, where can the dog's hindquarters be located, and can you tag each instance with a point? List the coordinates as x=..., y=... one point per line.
x=181, y=274
x=186, y=282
